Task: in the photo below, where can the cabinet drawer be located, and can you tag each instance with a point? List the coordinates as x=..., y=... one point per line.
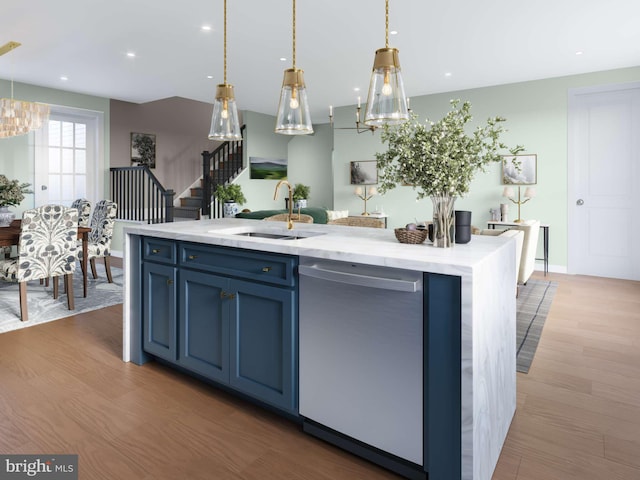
x=158, y=250
x=262, y=267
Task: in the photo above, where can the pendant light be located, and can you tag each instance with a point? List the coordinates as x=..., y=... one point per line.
x=224, y=121
x=293, y=116
x=386, y=103
x=19, y=117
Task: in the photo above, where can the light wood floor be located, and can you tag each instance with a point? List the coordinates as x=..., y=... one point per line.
x=64, y=389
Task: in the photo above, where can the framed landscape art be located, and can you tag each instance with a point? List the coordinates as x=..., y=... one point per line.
x=364, y=173
x=520, y=169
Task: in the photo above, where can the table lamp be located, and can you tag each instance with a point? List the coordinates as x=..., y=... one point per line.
x=365, y=195
x=529, y=193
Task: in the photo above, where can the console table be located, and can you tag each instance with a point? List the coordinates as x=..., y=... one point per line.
x=545, y=239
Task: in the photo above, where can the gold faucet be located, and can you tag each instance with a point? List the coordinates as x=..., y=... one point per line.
x=275, y=197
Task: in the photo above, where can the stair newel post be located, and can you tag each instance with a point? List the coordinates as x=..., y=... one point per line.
x=168, y=204
x=206, y=184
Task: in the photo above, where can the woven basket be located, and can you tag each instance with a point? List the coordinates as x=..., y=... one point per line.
x=410, y=236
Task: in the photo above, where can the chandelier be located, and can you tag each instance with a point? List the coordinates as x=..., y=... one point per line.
x=360, y=126
x=19, y=117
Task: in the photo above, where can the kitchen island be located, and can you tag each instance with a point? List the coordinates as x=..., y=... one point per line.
x=468, y=344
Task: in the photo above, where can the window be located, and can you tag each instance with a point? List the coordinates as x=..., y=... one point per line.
x=68, y=158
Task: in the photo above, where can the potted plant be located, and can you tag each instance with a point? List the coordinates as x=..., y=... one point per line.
x=231, y=195
x=440, y=159
x=12, y=192
x=300, y=195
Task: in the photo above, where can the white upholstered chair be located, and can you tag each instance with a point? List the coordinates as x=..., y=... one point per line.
x=531, y=229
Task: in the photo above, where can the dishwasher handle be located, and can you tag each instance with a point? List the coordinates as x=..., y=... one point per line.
x=370, y=281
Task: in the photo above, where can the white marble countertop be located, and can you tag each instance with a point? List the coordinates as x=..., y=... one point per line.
x=371, y=246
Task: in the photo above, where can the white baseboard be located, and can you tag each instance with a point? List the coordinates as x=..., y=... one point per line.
x=552, y=268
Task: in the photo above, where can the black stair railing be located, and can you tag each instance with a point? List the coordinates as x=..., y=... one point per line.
x=140, y=196
x=219, y=167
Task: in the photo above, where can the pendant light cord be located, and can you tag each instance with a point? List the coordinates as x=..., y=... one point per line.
x=225, y=42
x=294, y=34
x=386, y=25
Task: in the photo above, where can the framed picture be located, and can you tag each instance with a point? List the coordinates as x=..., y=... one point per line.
x=520, y=169
x=364, y=173
x=267, y=168
x=143, y=149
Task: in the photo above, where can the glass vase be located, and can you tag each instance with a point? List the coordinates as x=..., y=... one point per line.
x=443, y=220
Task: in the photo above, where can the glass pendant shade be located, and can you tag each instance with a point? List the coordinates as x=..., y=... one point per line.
x=224, y=121
x=386, y=102
x=293, y=116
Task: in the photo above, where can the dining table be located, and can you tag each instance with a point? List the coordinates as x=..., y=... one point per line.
x=10, y=236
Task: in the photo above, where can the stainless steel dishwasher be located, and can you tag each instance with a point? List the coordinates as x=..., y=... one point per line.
x=361, y=357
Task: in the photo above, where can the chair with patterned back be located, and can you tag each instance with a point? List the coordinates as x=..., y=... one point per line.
x=84, y=211
x=47, y=248
x=102, y=222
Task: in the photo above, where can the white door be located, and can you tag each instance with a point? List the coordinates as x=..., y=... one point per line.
x=67, y=158
x=604, y=181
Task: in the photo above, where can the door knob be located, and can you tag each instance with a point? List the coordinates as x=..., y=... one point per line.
x=580, y=202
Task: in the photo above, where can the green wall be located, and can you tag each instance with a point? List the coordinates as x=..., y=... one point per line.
x=17, y=154
x=309, y=162
x=537, y=115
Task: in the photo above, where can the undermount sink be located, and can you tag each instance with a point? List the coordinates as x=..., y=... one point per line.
x=268, y=233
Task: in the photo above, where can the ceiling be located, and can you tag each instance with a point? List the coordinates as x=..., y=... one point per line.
x=476, y=43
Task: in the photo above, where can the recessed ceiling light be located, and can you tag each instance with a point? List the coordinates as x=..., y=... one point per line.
x=579, y=52
x=206, y=28
x=283, y=59
x=209, y=77
x=393, y=32
x=64, y=78
x=448, y=74
x=356, y=89
x=131, y=54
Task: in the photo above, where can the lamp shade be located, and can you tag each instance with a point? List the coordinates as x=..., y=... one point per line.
x=508, y=192
x=293, y=116
x=224, y=121
x=386, y=102
x=530, y=192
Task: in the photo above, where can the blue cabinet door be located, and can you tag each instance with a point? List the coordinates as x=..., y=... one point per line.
x=159, y=310
x=204, y=324
x=264, y=342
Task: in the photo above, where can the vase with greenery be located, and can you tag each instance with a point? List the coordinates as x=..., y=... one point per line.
x=439, y=159
x=231, y=196
x=300, y=195
x=12, y=192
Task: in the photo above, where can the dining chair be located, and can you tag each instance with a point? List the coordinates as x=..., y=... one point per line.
x=47, y=248
x=84, y=211
x=99, y=246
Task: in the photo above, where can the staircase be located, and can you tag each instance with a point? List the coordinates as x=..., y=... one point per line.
x=220, y=166
x=189, y=208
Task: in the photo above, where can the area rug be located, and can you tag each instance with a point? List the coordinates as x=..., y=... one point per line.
x=532, y=307
x=43, y=308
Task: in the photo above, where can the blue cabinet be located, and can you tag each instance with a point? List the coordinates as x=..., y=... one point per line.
x=159, y=310
x=264, y=343
x=204, y=325
x=235, y=326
